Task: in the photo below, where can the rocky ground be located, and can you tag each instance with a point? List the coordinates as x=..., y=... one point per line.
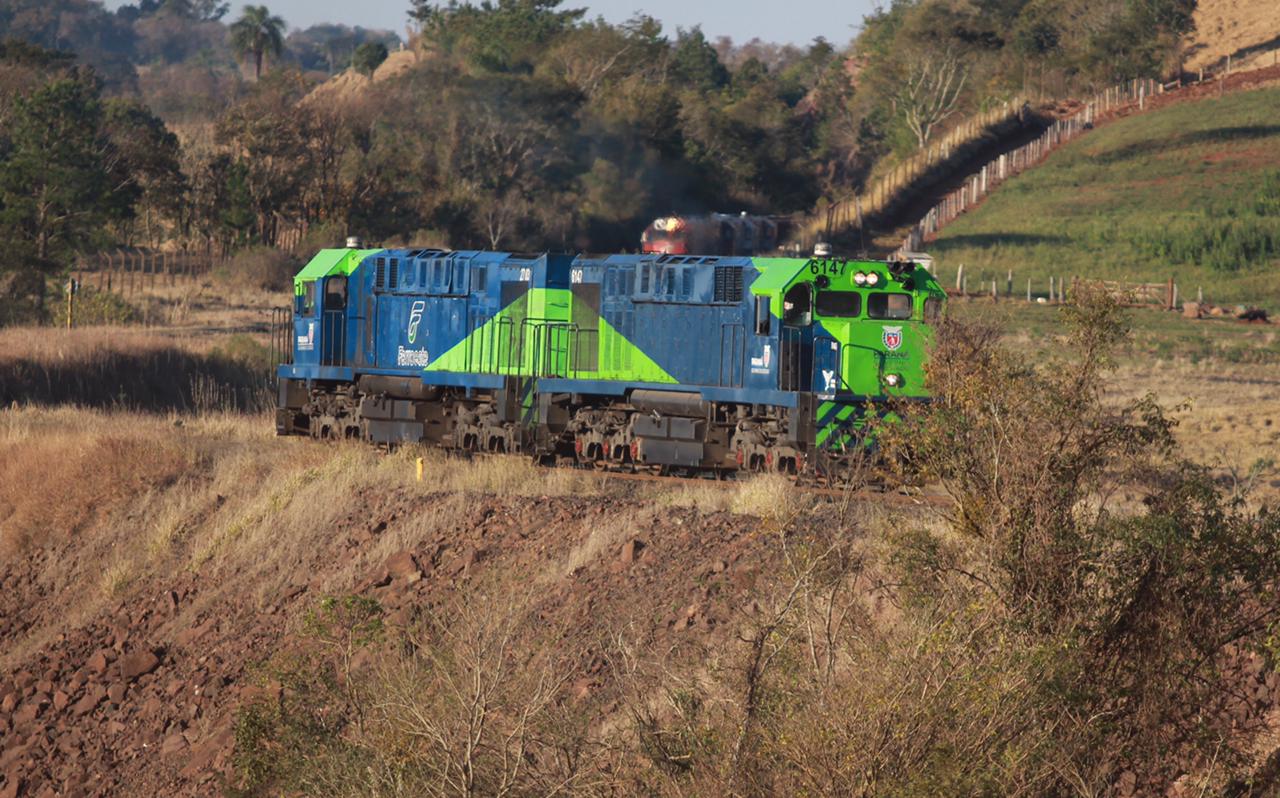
x=110, y=689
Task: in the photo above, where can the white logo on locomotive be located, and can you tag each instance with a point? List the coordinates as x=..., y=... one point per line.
x=760, y=365
x=415, y=318
x=308, y=342
x=892, y=338
x=829, y=380
x=412, y=357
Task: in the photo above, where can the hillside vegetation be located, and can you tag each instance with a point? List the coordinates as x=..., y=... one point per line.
x=1190, y=192
x=515, y=125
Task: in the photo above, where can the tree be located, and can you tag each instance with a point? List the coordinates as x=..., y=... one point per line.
x=368, y=57
x=257, y=33
x=144, y=157
x=931, y=91
x=57, y=190
x=695, y=63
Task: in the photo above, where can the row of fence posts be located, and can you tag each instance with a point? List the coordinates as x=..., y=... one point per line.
x=884, y=190
x=1009, y=164
x=979, y=184
x=127, y=272
x=1164, y=295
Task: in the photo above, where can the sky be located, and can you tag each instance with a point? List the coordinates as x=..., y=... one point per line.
x=781, y=21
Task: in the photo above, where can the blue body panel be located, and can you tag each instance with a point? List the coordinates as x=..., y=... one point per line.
x=692, y=316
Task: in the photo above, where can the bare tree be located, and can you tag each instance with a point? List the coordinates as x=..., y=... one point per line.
x=931, y=91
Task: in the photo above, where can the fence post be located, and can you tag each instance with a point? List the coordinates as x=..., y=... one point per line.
x=1028, y=289
x=1008, y=284
x=1051, y=289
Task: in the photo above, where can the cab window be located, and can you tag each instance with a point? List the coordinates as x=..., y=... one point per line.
x=797, y=306
x=889, y=306
x=306, y=301
x=932, y=310
x=839, y=304
x=335, y=293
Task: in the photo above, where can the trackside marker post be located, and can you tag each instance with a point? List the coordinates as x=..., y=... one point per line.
x=418, y=468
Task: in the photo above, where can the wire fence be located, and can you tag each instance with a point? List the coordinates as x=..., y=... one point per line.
x=128, y=272
x=886, y=190
x=1134, y=95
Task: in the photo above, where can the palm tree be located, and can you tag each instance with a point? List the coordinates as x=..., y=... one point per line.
x=259, y=33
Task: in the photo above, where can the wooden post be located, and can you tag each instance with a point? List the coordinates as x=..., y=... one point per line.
x=1008, y=284
x=1051, y=289
x=1168, y=293
x=1028, y=289
x=960, y=277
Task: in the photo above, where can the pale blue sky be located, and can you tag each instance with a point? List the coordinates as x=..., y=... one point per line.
x=782, y=21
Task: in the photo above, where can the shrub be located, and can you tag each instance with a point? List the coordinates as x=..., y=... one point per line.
x=261, y=268
x=93, y=307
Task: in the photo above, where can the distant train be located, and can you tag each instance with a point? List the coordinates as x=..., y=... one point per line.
x=715, y=364
x=714, y=234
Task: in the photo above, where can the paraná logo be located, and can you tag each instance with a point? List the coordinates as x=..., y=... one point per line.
x=892, y=337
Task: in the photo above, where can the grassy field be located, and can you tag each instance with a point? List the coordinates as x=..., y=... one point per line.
x=1190, y=192
x=1220, y=378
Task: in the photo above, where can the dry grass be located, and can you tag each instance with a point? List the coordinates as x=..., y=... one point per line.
x=768, y=496
x=1229, y=417
x=128, y=368
x=511, y=475
x=1224, y=27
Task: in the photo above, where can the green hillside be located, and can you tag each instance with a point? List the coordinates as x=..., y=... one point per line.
x=1190, y=192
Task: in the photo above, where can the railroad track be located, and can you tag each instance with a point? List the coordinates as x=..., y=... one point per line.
x=730, y=480
x=896, y=498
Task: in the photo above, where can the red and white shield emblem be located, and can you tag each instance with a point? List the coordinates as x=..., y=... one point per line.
x=892, y=337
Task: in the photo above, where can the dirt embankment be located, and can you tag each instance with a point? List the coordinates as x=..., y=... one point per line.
x=132, y=634
x=1243, y=29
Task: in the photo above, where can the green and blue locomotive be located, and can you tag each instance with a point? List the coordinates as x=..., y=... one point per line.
x=687, y=362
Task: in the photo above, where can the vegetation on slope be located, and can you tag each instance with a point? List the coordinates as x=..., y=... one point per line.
x=513, y=125
x=1047, y=638
x=1190, y=192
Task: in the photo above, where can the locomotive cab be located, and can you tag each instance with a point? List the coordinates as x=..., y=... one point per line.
x=320, y=321
x=853, y=330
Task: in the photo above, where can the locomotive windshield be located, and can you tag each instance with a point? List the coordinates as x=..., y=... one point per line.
x=839, y=304
x=797, y=306
x=889, y=306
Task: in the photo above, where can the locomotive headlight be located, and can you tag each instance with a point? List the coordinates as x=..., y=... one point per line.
x=860, y=278
x=893, y=380
x=872, y=278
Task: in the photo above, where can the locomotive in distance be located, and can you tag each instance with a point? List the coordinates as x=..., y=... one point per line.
x=635, y=361
x=714, y=234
